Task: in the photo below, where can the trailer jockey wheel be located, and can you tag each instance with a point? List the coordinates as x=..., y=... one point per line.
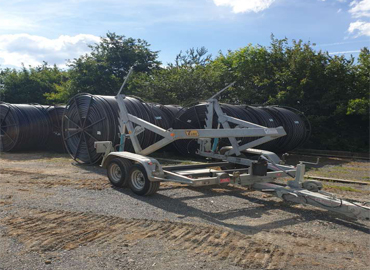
x=118, y=172
x=312, y=185
x=139, y=182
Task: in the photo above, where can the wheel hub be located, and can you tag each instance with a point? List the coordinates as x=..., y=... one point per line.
x=138, y=180
x=115, y=172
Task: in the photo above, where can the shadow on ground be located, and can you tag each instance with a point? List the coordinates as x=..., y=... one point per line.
x=180, y=207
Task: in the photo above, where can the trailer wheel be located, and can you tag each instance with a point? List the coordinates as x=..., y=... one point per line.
x=139, y=182
x=312, y=185
x=118, y=171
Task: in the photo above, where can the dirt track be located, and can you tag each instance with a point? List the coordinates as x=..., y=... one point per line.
x=54, y=214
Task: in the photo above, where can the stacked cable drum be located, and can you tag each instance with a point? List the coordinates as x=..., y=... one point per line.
x=90, y=118
x=87, y=119
x=55, y=141
x=296, y=126
x=23, y=127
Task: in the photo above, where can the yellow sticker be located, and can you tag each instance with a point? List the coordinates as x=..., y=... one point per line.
x=192, y=133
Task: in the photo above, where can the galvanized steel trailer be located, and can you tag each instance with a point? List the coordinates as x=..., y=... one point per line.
x=237, y=164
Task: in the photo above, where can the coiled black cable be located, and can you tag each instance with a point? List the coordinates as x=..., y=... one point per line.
x=271, y=117
x=55, y=141
x=90, y=118
x=265, y=119
x=293, y=125
x=190, y=118
x=87, y=119
x=23, y=127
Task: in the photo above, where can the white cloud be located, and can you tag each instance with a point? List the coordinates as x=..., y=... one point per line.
x=240, y=6
x=345, y=52
x=33, y=50
x=359, y=28
x=360, y=8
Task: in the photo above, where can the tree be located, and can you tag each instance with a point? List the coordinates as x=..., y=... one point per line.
x=30, y=85
x=102, y=71
x=332, y=91
x=189, y=80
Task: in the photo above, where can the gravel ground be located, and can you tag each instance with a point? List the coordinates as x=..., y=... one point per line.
x=55, y=214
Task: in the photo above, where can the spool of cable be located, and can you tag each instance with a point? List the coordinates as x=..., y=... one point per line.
x=190, y=118
x=55, y=141
x=171, y=110
x=239, y=111
x=264, y=118
x=271, y=117
x=87, y=119
x=23, y=127
x=293, y=125
x=90, y=118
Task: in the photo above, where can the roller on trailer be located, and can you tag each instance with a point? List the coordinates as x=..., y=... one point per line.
x=240, y=163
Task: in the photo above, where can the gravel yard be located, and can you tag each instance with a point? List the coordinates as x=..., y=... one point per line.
x=56, y=214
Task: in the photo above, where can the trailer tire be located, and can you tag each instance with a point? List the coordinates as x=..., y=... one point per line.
x=139, y=182
x=312, y=185
x=118, y=172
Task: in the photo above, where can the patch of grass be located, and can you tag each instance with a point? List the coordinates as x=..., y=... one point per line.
x=343, y=188
x=350, y=168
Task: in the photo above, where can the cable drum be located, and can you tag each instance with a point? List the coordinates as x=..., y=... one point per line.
x=87, y=119
x=303, y=120
x=293, y=125
x=195, y=118
x=23, y=127
x=238, y=111
x=264, y=118
x=55, y=141
x=190, y=118
x=90, y=118
x=164, y=114
x=271, y=117
x=171, y=110
x=161, y=119
x=169, y=113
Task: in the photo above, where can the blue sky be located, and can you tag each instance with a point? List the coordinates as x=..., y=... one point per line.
x=33, y=31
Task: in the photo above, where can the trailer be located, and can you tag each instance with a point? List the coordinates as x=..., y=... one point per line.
x=240, y=165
